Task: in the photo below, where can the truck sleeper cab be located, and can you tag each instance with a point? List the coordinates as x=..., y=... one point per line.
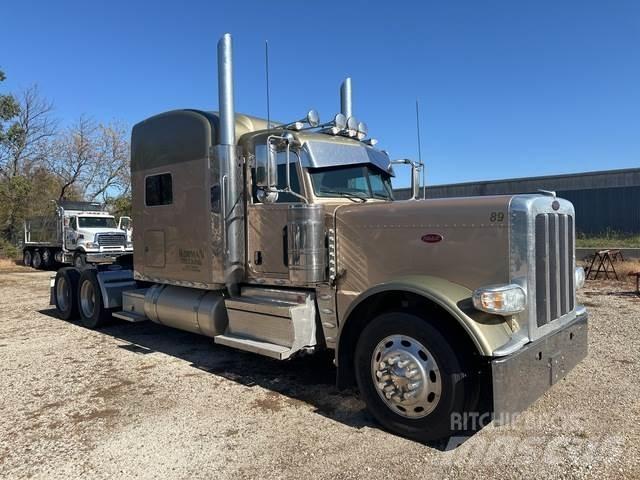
x=282, y=241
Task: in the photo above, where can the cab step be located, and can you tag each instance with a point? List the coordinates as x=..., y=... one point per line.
x=255, y=346
x=129, y=316
x=272, y=322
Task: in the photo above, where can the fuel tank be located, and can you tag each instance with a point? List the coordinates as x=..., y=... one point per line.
x=190, y=309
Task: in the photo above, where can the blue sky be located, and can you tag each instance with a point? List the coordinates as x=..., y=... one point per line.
x=506, y=88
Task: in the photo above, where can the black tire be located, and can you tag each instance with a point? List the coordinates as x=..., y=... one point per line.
x=65, y=290
x=47, y=258
x=90, y=304
x=36, y=260
x=80, y=260
x=456, y=388
x=27, y=258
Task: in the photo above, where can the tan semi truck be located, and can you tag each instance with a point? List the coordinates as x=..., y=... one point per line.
x=285, y=239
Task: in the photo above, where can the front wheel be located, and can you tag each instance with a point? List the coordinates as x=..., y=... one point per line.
x=410, y=377
x=90, y=304
x=80, y=260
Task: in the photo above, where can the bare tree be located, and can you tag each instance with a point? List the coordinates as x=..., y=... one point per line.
x=92, y=160
x=110, y=175
x=28, y=137
x=74, y=157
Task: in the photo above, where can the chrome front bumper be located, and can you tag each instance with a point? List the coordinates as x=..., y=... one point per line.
x=520, y=378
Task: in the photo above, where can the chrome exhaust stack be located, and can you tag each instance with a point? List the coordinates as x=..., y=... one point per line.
x=230, y=171
x=346, y=105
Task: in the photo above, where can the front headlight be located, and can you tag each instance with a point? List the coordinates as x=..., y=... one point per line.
x=500, y=299
x=129, y=244
x=90, y=245
x=580, y=277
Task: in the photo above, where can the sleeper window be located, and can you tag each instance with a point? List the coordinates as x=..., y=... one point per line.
x=158, y=190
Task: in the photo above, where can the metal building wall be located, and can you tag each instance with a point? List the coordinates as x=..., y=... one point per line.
x=607, y=200
x=601, y=209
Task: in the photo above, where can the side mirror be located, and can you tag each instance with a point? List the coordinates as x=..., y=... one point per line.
x=124, y=223
x=415, y=175
x=267, y=167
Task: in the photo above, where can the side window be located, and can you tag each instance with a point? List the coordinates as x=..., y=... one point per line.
x=73, y=223
x=282, y=180
x=158, y=190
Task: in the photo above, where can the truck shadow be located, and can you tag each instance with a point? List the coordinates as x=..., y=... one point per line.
x=309, y=379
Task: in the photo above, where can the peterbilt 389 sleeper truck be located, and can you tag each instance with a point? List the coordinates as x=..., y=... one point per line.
x=282, y=239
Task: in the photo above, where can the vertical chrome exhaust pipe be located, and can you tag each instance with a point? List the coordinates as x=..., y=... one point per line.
x=227, y=133
x=346, y=106
x=230, y=171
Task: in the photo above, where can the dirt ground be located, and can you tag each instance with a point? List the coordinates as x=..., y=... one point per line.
x=144, y=401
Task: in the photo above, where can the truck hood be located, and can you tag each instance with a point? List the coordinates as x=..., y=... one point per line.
x=465, y=240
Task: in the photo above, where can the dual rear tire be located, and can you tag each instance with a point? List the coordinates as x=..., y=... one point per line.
x=77, y=294
x=38, y=259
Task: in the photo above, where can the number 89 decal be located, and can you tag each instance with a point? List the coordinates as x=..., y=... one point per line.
x=496, y=217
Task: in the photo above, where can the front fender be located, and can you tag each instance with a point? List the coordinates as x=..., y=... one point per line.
x=487, y=332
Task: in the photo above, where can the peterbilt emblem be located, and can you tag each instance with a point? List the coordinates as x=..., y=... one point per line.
x=432, y=238
x=555, y=205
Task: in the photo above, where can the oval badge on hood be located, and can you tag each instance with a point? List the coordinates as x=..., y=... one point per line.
x=432, y=238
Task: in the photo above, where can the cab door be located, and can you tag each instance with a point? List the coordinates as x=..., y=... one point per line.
x=70, y=233
x=267, y=222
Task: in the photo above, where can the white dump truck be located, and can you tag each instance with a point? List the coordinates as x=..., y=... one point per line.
x=77, y=233
x=284, y=239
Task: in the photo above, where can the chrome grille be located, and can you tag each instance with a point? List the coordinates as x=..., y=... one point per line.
x=116, y=240
x=554, y=244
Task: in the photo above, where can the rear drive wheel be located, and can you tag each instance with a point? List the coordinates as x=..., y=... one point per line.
x=47, y=258
x=36, y=260
x=64, y=291
x=90, y=304
x=80, y=260
x=27, y=258
x=410, y=377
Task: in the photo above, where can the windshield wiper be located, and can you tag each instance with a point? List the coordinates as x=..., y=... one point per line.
x=351, y=196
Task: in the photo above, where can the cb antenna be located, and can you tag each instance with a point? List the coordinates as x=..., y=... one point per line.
x=424, y=183
x=266, y=65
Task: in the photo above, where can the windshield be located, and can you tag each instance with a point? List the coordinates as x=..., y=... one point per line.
x=96, y=222
x=364, y=181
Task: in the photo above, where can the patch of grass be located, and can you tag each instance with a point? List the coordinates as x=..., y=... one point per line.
x=608, y=239
x=8, y=250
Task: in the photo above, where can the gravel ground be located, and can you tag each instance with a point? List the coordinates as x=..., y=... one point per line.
x=144, y=401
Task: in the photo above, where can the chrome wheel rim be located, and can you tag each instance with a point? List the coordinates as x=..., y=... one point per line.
x=87, y=299
x=37, y=260
x=406, y=376
x=63, y=294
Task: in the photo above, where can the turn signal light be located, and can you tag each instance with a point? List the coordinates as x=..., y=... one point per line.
x=580, y=277
x=500, y=299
